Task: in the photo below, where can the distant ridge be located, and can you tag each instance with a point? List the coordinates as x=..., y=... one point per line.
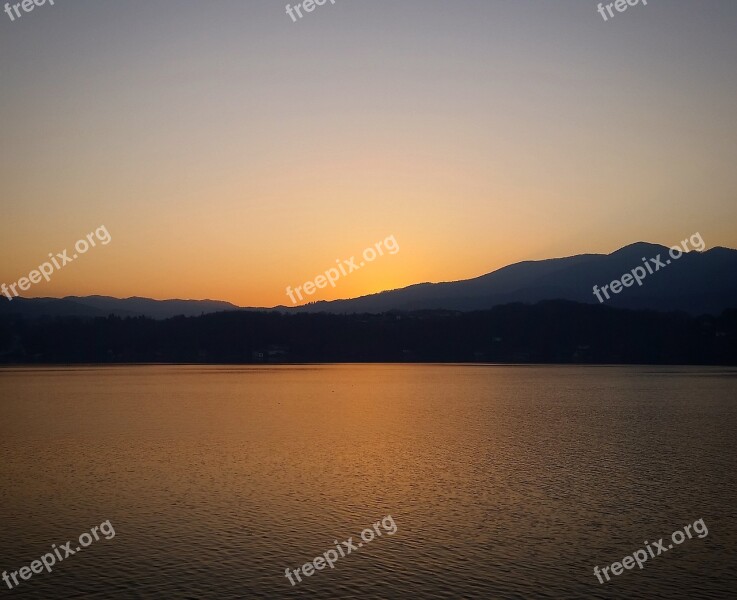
x=697, y=283
x=102, y=306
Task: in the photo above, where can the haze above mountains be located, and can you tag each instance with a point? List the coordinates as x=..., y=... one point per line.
x=697, y=283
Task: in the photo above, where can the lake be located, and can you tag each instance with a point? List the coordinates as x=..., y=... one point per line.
x=502, y=481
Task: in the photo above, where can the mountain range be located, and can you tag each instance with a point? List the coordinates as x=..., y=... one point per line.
x=697, y=283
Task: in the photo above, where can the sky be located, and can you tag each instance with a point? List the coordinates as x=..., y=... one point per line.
x=231, y=152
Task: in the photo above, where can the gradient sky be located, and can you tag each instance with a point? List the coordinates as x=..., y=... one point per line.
x=231, y=152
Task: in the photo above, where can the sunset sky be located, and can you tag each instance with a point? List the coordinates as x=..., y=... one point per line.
x=231, y=152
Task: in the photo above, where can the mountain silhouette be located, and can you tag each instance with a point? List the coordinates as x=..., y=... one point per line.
x=696, y=283
x=102, y=306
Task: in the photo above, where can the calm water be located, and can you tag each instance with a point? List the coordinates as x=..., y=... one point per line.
x=504, y=482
